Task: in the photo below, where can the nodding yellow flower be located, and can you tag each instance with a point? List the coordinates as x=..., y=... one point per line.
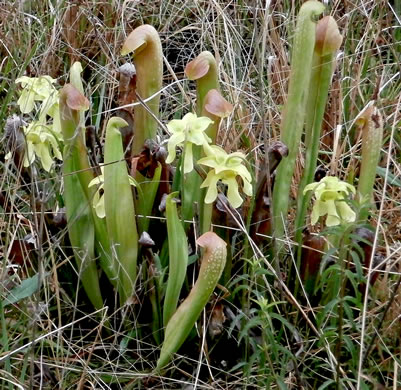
x=43, y=142
x=330, y=194
x=98, y=198
x=36, y=89
x=225, y=167
x=185, y=132
x=42, y=138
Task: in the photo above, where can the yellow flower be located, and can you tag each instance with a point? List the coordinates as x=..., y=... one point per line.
x=330, y=193
x=98, y=198
x=225, y=167
x=42, y=138
x=36, y=89
x=185, y=132
x=43, y=142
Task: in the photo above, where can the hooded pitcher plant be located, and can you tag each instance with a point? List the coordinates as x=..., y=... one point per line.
x=178, y=258
x=294, y=110
x=85, y=176
x=328, y=41
x=144, y=44
x=209, y=103
x=370, y=122
x=181, y=323
x=203, y=69
x=81, y=229
x=119, y=210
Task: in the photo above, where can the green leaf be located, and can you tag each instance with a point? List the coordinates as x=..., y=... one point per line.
x=120, y=210
x=147, y=190
x=178, y=258
x=26, y=289
x=281, y=384
x=192, y=259
x=326, y=384
x=391, y=178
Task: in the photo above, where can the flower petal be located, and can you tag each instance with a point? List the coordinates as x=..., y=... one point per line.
x=173, y=142
x=332, y=220
x=233, y=195
x=208, y=161
x=196, y=137
x=26, y=101
x=96, y=181
x=311, y=187
x=188, y=118
x=244, y=173
x=345, y=211
x=29, y=157
x=201, y=124
x=188, y=158
x=176, y=126
x=99, y=206
x=211, y=182
x=42, y=151
x=247, y=187
x=331, y=207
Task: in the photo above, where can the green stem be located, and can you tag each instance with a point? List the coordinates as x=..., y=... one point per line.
x=207, y=212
